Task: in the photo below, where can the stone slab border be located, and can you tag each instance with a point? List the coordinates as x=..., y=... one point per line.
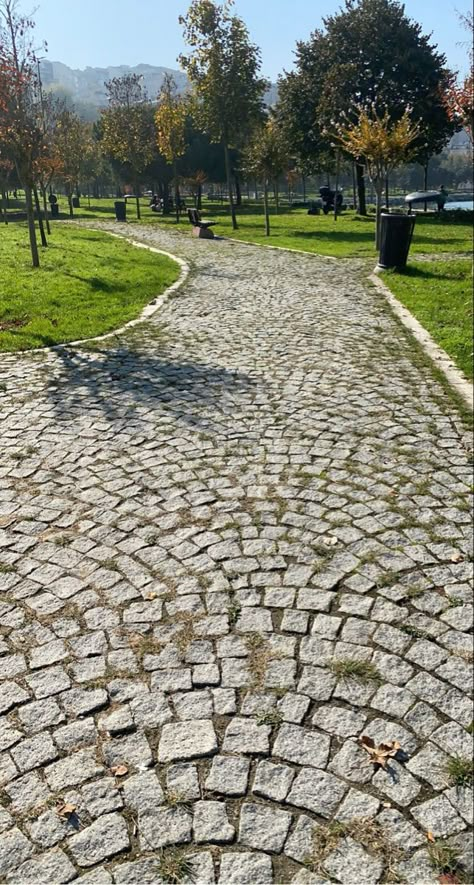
x=147, y=311
x=439, y=357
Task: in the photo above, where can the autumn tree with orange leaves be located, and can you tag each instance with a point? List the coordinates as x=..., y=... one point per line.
x=20, y=112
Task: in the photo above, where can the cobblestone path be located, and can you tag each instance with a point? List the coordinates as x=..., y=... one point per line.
x=233, y=540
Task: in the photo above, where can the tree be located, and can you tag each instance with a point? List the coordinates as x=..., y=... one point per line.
x=72, y=142
x=266, y=157
x=368, y=53
x=459, y=98
x=20, y=117
x=127, y=126
x=170, y=119
x=223, y=69
x=384, y=143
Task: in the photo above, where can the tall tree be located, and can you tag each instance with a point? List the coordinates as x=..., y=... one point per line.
x=127, y=126
x=223, y=67
x=170, y=119
x=265, y=157
x=459, y=97
x=369, y=52
x=20, y=116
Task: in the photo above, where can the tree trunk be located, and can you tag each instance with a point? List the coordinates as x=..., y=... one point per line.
x=378, y=210
x=199, y=198
x=229, y=185
x=44, y=241
x=361, y=203
x=45, y=210
x=277, y=196
x=265, y=208
x=176, y=191
x=303, y=180
x=137, y=198
x=4, y=207
x=336, y=186
x=256, y=190
x=354, y=187
x=238, y=192
x=425, y=181
x=387, y=195
x=31, y=227
x=69, y=200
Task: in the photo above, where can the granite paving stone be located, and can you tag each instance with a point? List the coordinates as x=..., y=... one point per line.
x=199, y=515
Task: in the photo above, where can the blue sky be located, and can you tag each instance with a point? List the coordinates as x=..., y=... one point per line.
x=112, y=32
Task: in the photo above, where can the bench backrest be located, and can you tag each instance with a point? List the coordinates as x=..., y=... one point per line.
x=193, y=216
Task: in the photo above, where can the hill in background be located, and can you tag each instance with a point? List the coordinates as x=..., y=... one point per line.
x=86, y=88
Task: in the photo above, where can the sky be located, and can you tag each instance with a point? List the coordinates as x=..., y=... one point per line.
x=99, y=33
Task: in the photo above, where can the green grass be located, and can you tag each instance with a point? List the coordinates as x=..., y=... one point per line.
x=460, y=771
x=351, y=235
x=89, y=283
x=347, y=668
x=439, y=294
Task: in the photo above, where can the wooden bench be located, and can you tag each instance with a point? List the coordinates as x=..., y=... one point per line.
x=201, y=226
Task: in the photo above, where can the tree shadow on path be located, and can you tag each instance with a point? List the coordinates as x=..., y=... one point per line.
x=117, y=384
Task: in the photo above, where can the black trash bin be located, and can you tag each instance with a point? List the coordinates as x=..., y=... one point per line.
x=120, y=210
x=75, y=203
x=54, y=208
x=396, y=232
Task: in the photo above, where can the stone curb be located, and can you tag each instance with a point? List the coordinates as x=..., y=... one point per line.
x=148, y=311
x=436, y=353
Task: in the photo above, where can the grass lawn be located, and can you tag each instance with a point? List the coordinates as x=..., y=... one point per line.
x=349, y=236
x=88, y=283
x=439, y=294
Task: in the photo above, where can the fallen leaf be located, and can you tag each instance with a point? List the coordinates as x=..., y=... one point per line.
x=331, y=541
x=66, y=810
x=379, y=755
x=119, y=770
x=448, y=879
x=150, y=595
x=430, y=836
x=456, y=557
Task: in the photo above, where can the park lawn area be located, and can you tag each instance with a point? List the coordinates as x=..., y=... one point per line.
x=349, y=236
x=439, y=294
x=88, y=283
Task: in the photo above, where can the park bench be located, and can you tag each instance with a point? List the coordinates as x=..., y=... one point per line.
x=201, y=226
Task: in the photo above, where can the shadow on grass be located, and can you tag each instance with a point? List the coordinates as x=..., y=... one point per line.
x=426, y=273
x=116, y=381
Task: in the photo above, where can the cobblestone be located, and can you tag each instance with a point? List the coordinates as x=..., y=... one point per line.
x=209, y=510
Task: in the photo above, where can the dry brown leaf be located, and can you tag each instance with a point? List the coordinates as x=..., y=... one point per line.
x=66, y=809
x=430, y=836
x=119, y=770
x=448, y=879
x=379, y=755
x=456, y=557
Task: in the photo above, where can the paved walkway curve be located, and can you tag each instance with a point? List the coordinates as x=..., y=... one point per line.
x=232, y=541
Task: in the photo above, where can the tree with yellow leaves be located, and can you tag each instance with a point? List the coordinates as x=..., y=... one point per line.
x=384, y=144
x=265, y=157
x=170, y=120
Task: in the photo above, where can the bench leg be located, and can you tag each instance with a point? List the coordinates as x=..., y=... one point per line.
x=205, y=233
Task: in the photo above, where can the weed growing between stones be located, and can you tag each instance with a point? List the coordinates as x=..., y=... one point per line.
x=259, y=655
x=363, y=671
x=445, y=859
x=370, y=834
x=174, y=867
x=460, y=771
x=233, y=610
x=269, y=717
x=175, y=800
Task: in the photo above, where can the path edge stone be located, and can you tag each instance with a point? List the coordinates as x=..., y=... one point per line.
x=437, y=355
